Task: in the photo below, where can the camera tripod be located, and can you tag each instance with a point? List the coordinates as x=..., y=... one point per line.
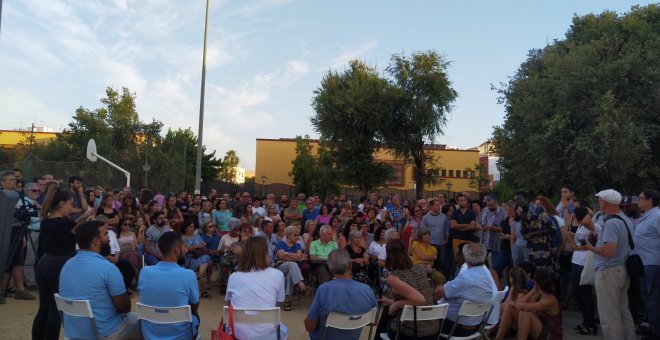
x=15, y=246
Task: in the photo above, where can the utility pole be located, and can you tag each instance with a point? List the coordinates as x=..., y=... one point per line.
x=200, y=131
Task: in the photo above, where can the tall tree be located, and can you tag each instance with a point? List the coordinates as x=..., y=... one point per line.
x=228, y=168
x=424, y=97
x=303, y=172
x=583, y=110
x=350, y=109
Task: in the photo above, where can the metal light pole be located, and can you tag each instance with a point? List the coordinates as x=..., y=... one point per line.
x=146, y=169
x=263, y=185
x=200, y=130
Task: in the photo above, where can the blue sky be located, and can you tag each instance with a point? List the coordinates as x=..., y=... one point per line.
x=265, y=58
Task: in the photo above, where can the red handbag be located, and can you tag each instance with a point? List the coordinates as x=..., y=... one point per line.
x=220, y=333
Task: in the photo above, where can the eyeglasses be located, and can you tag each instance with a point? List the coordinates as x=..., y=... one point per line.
x=34, y=190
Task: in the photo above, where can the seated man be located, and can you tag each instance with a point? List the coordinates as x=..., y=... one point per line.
x=152, y=255
x=343, y=295
x=181, y=289
x=89, y=276
x=318, y=253
x=473, y=284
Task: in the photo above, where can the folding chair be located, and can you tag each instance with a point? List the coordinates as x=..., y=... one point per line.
x=165, y=315
x=349, y=322
x=77, y=308
x=255, y=316
x=471, y=309
x=497, y=300
x=421, y=313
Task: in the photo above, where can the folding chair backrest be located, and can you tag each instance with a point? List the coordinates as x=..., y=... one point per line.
x=253, y=315
x=424, y=313
x=76, y=308
x=79, y=308
x=469, y=308
x=344, y=321
x=164, y=315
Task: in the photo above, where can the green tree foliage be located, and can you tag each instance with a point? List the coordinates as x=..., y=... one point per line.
x=583, y=111
x=228, y=166
x=314, y=173
x=350, y=110
x=424, y=96
x=127, y=141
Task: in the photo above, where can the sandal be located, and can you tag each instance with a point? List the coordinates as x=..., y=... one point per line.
x=287, y=306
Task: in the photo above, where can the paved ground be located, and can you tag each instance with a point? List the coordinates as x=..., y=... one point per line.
x=16, y=319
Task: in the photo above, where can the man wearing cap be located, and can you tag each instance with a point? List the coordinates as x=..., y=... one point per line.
x=647, y=246
x=612, y=281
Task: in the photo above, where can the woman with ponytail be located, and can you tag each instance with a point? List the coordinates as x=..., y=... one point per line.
x=57, y=243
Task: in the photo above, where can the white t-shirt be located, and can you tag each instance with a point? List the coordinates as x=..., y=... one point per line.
x=376, y=248
x=226, y=242
x=257, y=289
x=582, y=233
x=261, y=211
x=114, y=244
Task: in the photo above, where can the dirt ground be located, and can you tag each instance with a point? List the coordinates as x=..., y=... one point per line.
x=17, y=315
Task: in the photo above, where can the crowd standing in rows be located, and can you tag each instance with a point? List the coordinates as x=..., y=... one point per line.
x=104, y=245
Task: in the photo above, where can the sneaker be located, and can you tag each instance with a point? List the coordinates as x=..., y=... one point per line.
x=33, y=288
x=24, y=295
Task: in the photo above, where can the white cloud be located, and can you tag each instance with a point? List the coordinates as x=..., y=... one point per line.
x=346, y=54
x=298, y=67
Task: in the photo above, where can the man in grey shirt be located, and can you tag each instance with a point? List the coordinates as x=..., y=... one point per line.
x=612, y=282
x=436, y=222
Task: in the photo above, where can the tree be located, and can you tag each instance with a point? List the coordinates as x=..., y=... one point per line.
x=424, y=96
x=228, y=168
x=350, y=109
x=314, y=173
x=303, y=172
x=583, y=110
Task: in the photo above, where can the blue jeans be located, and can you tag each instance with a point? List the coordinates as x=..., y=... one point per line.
x=584, y=296
x=651, y=295
x=519, y=253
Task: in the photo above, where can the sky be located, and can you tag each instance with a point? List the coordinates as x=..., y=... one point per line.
x=265, y=58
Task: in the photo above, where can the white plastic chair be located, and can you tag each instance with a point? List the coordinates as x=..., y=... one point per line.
x=497, y=300
x=255, y=316
x=165, y=315
x=424, y=313
x=471, y=309
x=348, y=322
x=77, y=308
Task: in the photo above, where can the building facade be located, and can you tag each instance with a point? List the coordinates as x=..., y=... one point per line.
x=454, y=170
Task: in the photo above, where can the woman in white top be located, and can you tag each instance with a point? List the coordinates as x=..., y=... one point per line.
x=256, y=285
x=586, y=232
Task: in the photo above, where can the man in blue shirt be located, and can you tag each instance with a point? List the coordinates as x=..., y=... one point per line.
x=89, y=276
x=647, y=246
x=463, y=224
x=181, y=289
x=343, y=295
x=310, y=212
x=612, y=281
x=473, y=283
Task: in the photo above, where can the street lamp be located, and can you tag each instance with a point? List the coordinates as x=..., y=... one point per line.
x=263, y=185
x=146, y=169
x=449, y=185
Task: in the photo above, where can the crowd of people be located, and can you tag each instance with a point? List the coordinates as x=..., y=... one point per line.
x=91, y=242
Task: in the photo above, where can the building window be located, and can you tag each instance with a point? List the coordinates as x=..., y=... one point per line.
x=397, y=175
x=444, y=173
x=458, y=173
x=432, y=173
x=451, y=173
x=466, y=173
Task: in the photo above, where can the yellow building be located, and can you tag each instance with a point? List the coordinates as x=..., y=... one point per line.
x=9, y=139
x=453, y=166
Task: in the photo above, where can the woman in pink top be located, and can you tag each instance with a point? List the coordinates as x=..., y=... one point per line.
x=324, y=216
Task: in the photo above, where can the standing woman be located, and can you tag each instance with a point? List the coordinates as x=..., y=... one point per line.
x=106, y=209
x=221, y=216
x=205, y=216
x=57, y=244
x=586, y=232
x=128, y=208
